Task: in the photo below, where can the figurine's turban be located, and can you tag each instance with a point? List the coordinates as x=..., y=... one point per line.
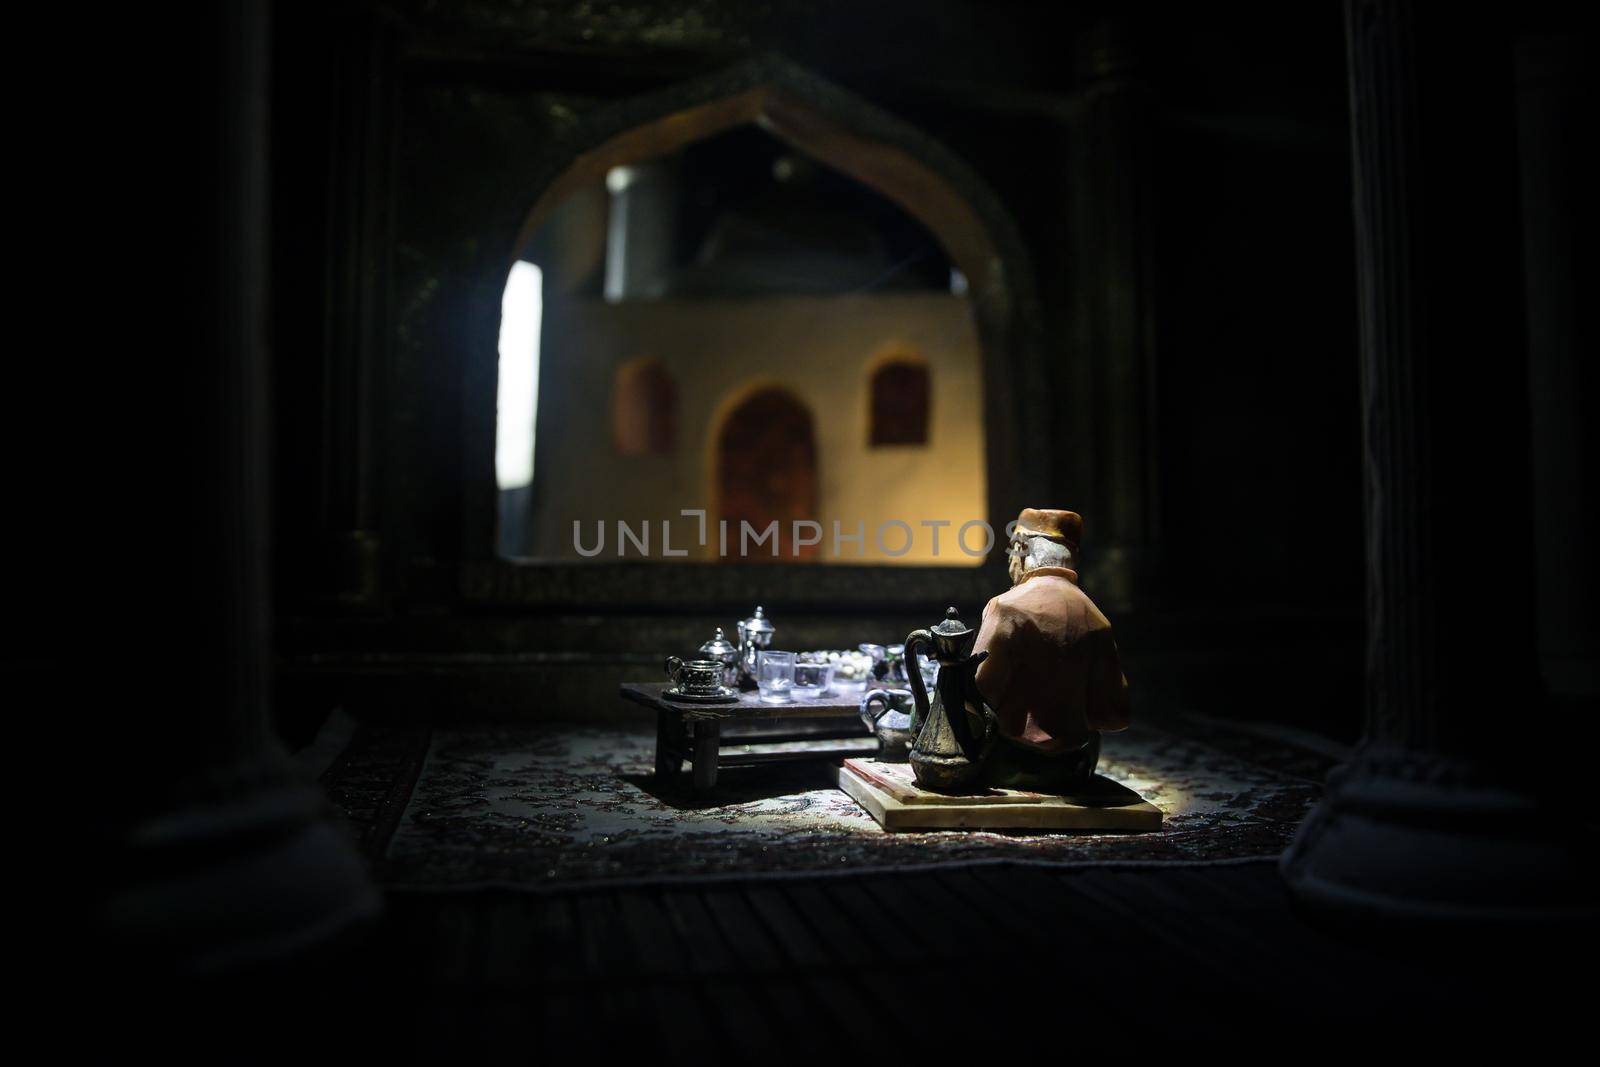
x=1063, y=526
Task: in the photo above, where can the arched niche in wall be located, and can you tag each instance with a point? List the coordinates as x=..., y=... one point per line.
x=644, y=408
x=884, y=153
x=899, y=400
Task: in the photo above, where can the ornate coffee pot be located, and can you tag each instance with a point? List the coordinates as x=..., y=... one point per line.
x=755, y=634
x=950, y=736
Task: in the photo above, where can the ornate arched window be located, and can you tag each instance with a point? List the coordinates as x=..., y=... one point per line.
x=900, y=391
x=644, y=409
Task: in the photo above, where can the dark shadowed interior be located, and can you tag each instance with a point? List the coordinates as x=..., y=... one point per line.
x=472, y=359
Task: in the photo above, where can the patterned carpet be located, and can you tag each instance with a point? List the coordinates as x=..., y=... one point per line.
x=570, y=805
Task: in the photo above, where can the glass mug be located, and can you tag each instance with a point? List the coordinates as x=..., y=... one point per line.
x=702, y=677
x=812, y=679
x=775, y=676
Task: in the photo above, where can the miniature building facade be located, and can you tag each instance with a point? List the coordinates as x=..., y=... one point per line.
x=738, y=329
x=715, y=357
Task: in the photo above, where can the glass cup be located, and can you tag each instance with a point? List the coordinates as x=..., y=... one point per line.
x=775, y=676
x=851, y=671
x=812, y=679
x=895, y=675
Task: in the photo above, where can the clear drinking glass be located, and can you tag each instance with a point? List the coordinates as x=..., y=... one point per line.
x=812, y=679
x=851, y=671
x=775, y=676
x=896, y=674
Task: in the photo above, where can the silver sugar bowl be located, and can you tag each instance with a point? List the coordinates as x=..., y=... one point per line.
x=724, y=652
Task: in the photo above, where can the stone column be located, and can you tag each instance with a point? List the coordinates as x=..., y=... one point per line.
x=1553, y=113
x=216, y=855
x=1116, y=217
x=361, y=142
x=1440, y=812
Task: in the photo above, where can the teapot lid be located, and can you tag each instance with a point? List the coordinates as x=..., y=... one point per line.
x=717, y=646
x=758, y=623
x=952, y=626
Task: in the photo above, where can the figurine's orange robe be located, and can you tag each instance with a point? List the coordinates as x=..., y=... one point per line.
x=1053, y=674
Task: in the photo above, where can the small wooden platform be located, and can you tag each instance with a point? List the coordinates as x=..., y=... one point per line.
x=712, y=736
x=890, y=793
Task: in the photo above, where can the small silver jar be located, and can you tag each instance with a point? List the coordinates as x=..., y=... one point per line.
x=726, y=653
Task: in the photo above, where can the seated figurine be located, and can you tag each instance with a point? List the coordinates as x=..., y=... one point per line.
x=1052, y=675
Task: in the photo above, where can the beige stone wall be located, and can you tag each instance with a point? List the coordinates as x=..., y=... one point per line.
x=823, y=349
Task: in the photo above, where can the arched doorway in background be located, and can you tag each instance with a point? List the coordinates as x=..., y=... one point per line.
x=766, y=470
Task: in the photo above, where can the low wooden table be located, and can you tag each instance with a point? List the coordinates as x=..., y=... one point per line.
x=712, y=736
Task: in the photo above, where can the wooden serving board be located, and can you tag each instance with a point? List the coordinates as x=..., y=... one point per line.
x=890, y=793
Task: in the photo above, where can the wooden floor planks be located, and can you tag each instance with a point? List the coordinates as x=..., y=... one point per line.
x=811, y=962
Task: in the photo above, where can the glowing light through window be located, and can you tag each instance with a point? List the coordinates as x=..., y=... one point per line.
x=521, y=311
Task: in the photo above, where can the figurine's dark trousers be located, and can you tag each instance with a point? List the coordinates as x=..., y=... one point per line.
x=1013, y=765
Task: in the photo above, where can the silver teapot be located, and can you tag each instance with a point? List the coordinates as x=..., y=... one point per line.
x=755, y=634
x=892, y=723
